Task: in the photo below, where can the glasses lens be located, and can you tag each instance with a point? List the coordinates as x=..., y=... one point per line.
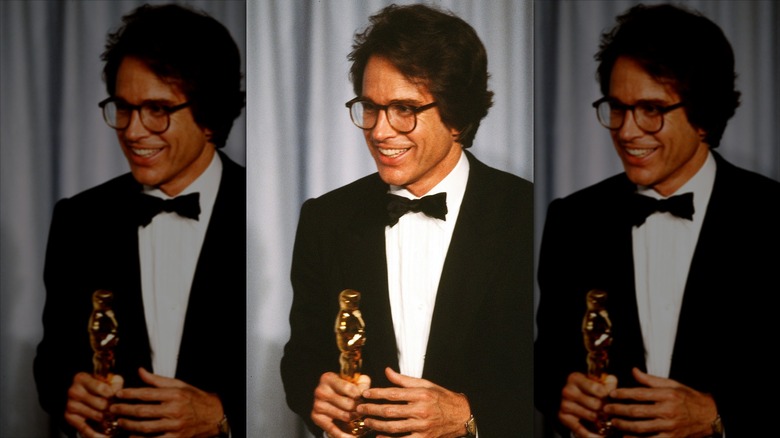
x=154, y=117
x=363, y=115
x=609, y=115
x=401, y=117
x=649, y=118
x=110, y=115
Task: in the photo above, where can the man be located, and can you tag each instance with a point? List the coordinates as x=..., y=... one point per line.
x=173, y=77
x=447, y=349
x=684, y=286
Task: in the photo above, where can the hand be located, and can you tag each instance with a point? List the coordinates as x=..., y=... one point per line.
x=170, y=408
x=582, y=399
x=336, y=399
x=668, y=408
x=428, y=410
x=88, y=398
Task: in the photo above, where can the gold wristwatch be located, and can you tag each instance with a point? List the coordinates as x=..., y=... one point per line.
x=717, y=428
x=224, y=427
x=471, y=427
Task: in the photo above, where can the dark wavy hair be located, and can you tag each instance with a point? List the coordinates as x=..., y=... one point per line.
x=435, y=49
x=684, y=49
x=189, y=48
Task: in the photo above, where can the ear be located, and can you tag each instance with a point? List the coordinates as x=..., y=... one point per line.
x=702, y=134
x=208, y=133
x=455, y=133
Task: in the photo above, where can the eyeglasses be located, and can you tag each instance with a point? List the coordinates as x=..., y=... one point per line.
x=402, y=117
x=648, y=116
x=154, y=116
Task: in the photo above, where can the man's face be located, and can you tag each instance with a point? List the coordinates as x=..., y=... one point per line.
x=668, y=158
x=173, y=159
x=419, y=159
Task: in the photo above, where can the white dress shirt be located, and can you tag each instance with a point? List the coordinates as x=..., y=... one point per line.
x=663, y=249
x=416, y=248
x=169, y=248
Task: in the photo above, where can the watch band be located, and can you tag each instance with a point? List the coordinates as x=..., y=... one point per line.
x=717, y=427
x=224, y=427
x=471, y=427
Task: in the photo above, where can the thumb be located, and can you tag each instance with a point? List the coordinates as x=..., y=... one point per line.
x=363, y=382
x=156, y=380
x=116, y=382
x=652, y=381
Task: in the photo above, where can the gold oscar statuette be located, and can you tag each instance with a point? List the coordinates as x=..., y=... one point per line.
x=597, y=335
x=103, y=337
x=350, y=338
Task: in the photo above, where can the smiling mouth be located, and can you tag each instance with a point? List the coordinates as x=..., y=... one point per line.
x=639, y=153
x=392, y=153
x=144, y=152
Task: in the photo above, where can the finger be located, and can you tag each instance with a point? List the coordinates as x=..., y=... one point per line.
x=406, y=381
x=146, y=427
x=610, y=383
x=80, y=424
x=590, y=387
x=575, y=393
x=342, y=387
x=332, y=431
x=386, y=410
x=146, y=411
x=573, y=423
x=569, y=407
x=642, y=427
x=159, y=381
x=393, y=394
x=85, y=404
x=92, y=385
x=639, y=394
x=326, y=411
x=635, y=411
x=653, y=381
x=392, y=427
x=363, y=383
x=147, y=394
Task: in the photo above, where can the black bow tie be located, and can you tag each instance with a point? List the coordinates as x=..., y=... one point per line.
x=149, y=206
x=643, y=206
x=434, y=206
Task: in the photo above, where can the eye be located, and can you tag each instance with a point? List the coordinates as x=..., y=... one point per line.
x=155, y=109
x=368, y=107
x=648, y=109
x=122, y=106
x=402, y=110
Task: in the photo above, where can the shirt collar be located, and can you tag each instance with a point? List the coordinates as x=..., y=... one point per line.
x=700, y=185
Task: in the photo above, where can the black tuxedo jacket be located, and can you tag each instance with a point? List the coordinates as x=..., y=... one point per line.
x=93, y=244
x=724, y=324
x=480, y=339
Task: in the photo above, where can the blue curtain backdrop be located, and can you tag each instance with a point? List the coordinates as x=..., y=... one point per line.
x=54, y=144
x=302, y=144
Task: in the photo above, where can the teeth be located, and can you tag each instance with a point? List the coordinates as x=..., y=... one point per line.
x=392, y=152
x=144, y=152
x=638, y=152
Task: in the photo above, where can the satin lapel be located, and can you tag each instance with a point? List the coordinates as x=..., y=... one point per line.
x=462, y=277
x=701, y=287
x=364, y=267
x=217, y=302
x=614, y=271
x=133, y=347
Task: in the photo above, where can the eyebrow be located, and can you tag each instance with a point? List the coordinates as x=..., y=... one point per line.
x=407, y=102
x=656, y=102
x=160, y=102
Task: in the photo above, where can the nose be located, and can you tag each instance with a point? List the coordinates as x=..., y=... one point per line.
x=629, y=130
x=382, y=130
x=135, y=129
